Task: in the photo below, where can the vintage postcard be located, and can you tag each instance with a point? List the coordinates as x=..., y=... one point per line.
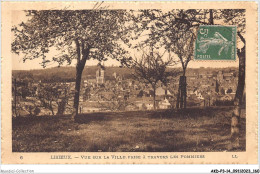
x=129, y=83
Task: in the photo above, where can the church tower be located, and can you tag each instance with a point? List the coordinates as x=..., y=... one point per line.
x=100, y=75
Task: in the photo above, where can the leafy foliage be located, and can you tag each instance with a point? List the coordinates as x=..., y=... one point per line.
x=72, y=33
x=49, y=94
x=152, y=68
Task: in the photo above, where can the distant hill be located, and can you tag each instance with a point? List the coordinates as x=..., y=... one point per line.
x=68, y=73
x=59, y=74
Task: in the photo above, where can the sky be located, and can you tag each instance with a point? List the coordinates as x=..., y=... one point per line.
x=18, y=64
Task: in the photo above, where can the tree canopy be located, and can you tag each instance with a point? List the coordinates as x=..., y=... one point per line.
x=75, y=34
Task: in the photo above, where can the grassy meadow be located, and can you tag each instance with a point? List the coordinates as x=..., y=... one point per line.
x=190, y=130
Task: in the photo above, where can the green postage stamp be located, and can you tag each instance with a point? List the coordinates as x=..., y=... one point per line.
x=215, y=42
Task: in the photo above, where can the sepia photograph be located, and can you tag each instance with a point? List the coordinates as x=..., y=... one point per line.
x=107, y=79
x=144, y=93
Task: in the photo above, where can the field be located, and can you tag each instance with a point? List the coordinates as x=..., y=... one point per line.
x=190, y=130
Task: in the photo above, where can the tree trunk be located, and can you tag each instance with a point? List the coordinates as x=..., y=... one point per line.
x=238, y=100
x=182, y=93
x=52, y=112
x=82, y=56
x=15, y=91
x=235, y=125
x=211, y=19
x=178, y=95
x=154, y=97
x=241, y=75
x=61, y=107
x=79, y=70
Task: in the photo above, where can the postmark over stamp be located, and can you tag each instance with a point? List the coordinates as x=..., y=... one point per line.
x=215, y=42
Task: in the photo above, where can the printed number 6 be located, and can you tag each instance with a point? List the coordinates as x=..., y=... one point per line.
x=21, y=157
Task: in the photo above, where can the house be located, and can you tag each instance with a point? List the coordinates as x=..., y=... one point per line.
x=228, y=76
x=165, y=104
x=149, y=106
x=199, y=95
x=114, y=75
x=191, y=78
x=161, y=92
x=228, y=97
x=131, y=108
x=90, y=109
x=144, y=105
